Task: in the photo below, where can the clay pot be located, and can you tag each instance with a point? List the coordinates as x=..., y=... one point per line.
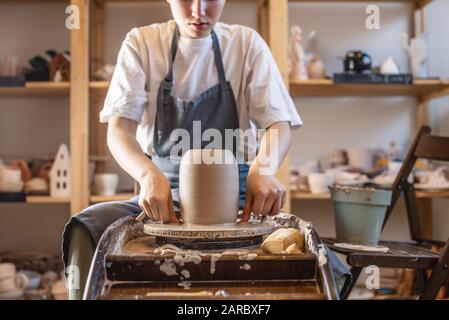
x=209, y=187
x=316, y=69
x=24, y=169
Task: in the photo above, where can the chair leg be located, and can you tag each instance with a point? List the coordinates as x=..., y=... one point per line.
x=421, y=277
x=439, y=275
x=355, y=271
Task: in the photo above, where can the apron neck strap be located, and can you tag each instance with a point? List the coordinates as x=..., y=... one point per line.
x=217, y=54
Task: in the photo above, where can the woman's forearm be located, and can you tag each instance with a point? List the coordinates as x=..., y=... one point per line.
x=123, y=145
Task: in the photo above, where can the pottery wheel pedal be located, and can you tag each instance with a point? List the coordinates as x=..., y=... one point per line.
x=209, y=237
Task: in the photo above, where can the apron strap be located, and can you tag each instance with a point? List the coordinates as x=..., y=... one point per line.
x=218, y=58
x=217, y=55
x=174, y=48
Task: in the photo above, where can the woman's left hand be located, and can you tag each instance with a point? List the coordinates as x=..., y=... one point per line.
x=265, y=195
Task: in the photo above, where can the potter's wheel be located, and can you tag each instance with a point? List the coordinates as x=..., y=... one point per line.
x=218, y=236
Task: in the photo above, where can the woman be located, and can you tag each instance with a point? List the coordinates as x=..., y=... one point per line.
x=171, y=76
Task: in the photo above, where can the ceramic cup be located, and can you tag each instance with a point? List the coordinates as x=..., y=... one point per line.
x=209, y=191
x=105, y=184
x=10, y=179
x=11, y=281
x=394, y=166
x=320, y=182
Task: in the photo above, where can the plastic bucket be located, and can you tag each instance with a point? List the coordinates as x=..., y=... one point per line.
x=359, y=214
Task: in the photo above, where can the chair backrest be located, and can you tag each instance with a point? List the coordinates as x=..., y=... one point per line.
x=424, y=146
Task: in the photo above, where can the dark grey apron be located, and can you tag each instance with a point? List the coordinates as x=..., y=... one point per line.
x=215, y=108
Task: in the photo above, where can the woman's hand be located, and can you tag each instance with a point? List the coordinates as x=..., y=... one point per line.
x=155, y=197
x=265, y=195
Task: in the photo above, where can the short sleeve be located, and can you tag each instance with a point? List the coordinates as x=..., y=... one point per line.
x=266, y=94
x=127, y=96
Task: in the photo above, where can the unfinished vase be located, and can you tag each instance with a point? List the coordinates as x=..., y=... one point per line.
x=209, y=187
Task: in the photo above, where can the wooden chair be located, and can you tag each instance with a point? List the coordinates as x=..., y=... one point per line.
x=415, y=254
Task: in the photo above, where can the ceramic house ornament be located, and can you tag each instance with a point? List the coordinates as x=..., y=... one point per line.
x=416, y=49
x=60, y=174
x=298, y=59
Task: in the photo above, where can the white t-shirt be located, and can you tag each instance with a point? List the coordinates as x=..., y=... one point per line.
x=142, y=64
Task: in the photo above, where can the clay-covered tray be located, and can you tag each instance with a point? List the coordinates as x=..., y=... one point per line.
x=142, y=259
x=128, y=262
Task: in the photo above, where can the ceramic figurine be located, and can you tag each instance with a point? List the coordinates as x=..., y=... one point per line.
x=60, y=63
x=389, y=66
x=298, y=58
x=338, y=157
x=416, y=49
x=60, y=175
x=393, y=152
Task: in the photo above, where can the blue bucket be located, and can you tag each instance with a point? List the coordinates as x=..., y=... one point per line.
x=359, y=213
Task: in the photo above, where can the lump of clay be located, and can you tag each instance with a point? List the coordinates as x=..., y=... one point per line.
x=282, y=241
x=293, y=249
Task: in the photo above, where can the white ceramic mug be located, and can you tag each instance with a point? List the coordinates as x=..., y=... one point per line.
x=394, y=166
x=320, y=182
x=10, y=280
x=105, y=184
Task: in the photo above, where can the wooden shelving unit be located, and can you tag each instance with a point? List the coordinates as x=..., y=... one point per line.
x=37, y=89
x=117, y=197
x=35, y=199
x=327, y=88
x=47, y=199
x=86, y=96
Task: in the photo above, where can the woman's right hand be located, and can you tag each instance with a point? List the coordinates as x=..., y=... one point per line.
x=155, y=197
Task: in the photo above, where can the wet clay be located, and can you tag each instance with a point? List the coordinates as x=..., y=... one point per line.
x=209, y=187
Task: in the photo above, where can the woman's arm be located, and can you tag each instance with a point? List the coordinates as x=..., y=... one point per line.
x=155, y=193
x=265, y=195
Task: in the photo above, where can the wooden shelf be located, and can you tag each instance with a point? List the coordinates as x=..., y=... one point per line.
x=117, y=197
x=99, y=85
x=37, y=89
x=416, y=3
x=47, y=199
x=327, y=88
x=432, y=194
x=93, y=198
x=326, y=196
